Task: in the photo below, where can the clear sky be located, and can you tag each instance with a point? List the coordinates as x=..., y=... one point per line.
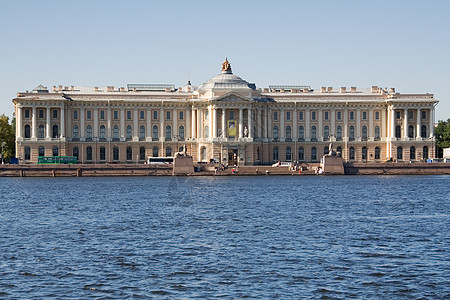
x=401, y=44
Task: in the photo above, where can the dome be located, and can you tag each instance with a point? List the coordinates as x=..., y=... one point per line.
x=188, y=88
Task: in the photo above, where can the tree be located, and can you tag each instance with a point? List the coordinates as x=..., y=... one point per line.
x=442, y=133
x=7, y=135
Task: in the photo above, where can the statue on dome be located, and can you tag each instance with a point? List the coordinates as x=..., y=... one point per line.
x=226, y=65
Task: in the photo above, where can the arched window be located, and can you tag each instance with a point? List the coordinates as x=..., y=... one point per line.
x=155, y=133
x=425, y=152
x=27, y=151
x=142, y=153
x=351, y=133
x=55, y=151
x=203, y=153
x=142, y=132
x=377, y=152
x=41, y=131
x=275, y=132
x=288, y=132
x=129, y=153
x=399, y=152
x=313, y=153
x=258, y=153
x=76, y=152
x=116, y=132
x=206, y=132
x=102, y=131
x=364, y=133
x=129, y=134
x=89, y=153
x=377, y=133
x=27, y=131
x=423, y=131
x=339, y=133
x=301, y=154
x=181, y=132
x=41, y=151
x=275, y=154
x=398, y=131
x=313, y=133
x=55, y=131
x=339, y=151
x=75, y=132
x=288, y=154
x=301, y=133
x=364, y=153
x=102, y=153
x=410, y=131
x=116, y=153
x=168, y=132
x=155, y=151
x=89, y=132
x=351, y=153
x=326, y=133
x=412, y=153
x=326, y=150
x=168, y=152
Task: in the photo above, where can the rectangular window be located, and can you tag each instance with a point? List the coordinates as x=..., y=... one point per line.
x=288, y=115
x=231, y=114
x=364, y=116
x=326, y=115
x=300, y=116
x=339, y=115
x=377, y=115
x=155, y=115
x=410, y=114
x=142, y=114
x=41, y=114
x=352, y=115
x=75, y=114
x=116, y=115
x=27, y=113
x=398, y=116
x=55, y=114
x=181, y=115
x=102, y=115
x=168, y=115
x=206, y=114
x=424, y=114
x=313, y=115
x=275, y=115
x=88, y=114
x=128, y=114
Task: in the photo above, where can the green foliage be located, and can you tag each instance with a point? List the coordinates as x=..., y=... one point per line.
x=442, y=133
x=7, y=135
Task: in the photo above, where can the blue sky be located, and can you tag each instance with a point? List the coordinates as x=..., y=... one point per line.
x=401, y=44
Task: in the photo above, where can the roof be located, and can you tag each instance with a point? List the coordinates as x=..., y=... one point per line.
x=153, y=87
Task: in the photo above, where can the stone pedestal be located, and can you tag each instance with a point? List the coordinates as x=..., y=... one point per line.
x=183, y=165
x=333, y=165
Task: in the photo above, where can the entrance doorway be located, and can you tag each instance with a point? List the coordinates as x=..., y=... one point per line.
x=232, y=156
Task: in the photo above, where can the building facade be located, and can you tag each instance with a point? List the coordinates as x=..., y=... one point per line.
x=227, y=119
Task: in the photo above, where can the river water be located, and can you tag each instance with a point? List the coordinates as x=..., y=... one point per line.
x=285, y=237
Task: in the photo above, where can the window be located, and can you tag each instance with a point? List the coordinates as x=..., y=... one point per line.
x=364, y=115
x=377, y=152
x=102, y=153
x=288, y=115
x=75, y=152
x=155, y=151
x=313, y=115
x=339, y=151
x=377, y=115
x=206, y=131
x=326, y=115
x=410, y=131
x=181, y=115
x=275, y=153
x=399, y=152
x=339, y=133
x=116, y=132
x=168, y=132
x=55, y=131
x=41, y=114
x=102, y=132
x=313, y=133
x=142, y=115
x=397, y=114
x=88, y=114
x=129, y=134
x=231, y=114
x=181, y=132
x=301, y=153
x=412, y=153
x=102, y=115
x=168, y=115
x=288, y=154
x=301, y=133
x=300, y=116
x=364, y=133
x=364, y=153
x=155, y=115
x=116, y=153
x=423, y=131
x=398, y=131
x=339, y=115
x=128, y=114
x=155, y=133
x=352, y=115
x=129, y=153
x=142, y=153
x=288, y=132
x=116, y=115
x=326, y=133
x=351, y=153
x=313, y=153
x=203, y=153
x=55, y=151
x=275, y=132
x=28, y=153
x=275, y=116
x=75, y=132
x=168, y=152
x=89, y=153
x=410, y=114
x=41, y=151
x=424, y=114
x=326, y=150
x=55, y=114
x=206, y=114
x=27, y=113
x=377, y=132
x=27, y=131
x=75, y=114
x=89, y=132
x=142, y=132
x=351, y=133
x=425, y=152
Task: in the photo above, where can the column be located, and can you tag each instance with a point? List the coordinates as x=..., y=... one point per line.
x=96, y=122
x=224, y=127
x=82, y=129
x=392, y=125
x=149, y=124
x=122, y=123
x=259, y=122
x=269, y=130
x=19, y=121
x=370, y=133
x=345, y=133
x=358, y=124
x=161, y=124
x=320, y=136
x=383, y=125
x=47, y=125
x=175, y=124
x=187, y=131
x=282, y=127
x=214, y=123
x=194, y=123
x=200, y=123
x=405, y=124
x=33, y=123
x=295, y=124
x=265, y=113
x=418, y=125
x=333, y=124
x=307, y=124
x=62, y=123
x=210, y=119
x=241, y=122
x=250, y=123
x=135, y=125
x=69, y=122
x=109, y=133
x=431, y=129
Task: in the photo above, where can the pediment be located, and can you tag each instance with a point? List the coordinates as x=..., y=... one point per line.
x=233, y=97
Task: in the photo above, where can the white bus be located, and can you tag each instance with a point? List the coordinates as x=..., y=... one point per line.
x=159, y=160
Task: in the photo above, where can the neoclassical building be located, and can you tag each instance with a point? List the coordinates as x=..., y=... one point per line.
x=227, y=119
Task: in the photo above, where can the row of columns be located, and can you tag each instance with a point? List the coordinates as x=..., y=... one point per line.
x=392, y=122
